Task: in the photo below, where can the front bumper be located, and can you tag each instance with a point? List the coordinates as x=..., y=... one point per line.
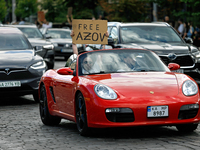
x=97, y=117
x=28, y=86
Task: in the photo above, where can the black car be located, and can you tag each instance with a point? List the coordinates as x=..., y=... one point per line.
x=38, y=40
x=160, y=38
x=20, y=67
x=62, y=41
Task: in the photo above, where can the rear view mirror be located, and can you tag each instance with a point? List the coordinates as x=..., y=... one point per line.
x=48, y=47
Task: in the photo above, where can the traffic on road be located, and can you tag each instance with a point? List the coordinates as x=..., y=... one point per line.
x=140, y=92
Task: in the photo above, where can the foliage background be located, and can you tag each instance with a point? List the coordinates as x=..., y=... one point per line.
x=112, y=10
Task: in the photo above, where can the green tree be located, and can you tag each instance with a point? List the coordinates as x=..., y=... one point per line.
x=56, y=10
x=125, y=10
x=193, y=11
x=3, y=10
x=25, y=8
x=83, y=9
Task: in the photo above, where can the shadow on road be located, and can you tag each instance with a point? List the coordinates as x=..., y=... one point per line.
x=130, y=132
x=16, y=100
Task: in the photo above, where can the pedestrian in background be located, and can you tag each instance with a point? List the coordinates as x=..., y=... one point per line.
x=45, y=24
x=185, y=29
x=167, y=20
x=190, y=30
x=181, y=27
x=21, y=21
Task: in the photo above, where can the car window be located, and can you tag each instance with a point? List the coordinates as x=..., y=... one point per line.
x=145, y=34
x=114, y=61
x=56, y=34
x=13, y=42
x=113, y=32
x=31, y=32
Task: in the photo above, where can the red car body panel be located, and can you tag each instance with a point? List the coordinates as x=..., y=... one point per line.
x=137, y=91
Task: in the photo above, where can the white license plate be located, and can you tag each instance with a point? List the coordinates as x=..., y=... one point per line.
x=66, y=50
x=179, y=71
x=157, y=111
x=10, y=84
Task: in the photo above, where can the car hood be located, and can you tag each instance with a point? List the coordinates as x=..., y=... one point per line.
x=38, y=42
x=61, y=40
x=18, y=58
x=162, y=48
x=135, y=84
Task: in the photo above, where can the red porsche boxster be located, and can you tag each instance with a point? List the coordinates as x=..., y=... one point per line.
x=119, y=88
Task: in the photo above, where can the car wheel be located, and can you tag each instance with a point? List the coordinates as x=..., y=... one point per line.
x=36, y=97
x=187, y=127
x=45, y=116
x=81, y=116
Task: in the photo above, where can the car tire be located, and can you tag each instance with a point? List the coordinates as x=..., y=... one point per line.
x=187, y=127
x=36, y=96
x=81, y=116
x=45, y=116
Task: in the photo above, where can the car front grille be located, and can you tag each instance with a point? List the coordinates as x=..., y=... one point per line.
x=181, y=60
x=120, y=117
x=15, y=74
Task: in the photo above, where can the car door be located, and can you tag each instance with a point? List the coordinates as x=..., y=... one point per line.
x=63, y=91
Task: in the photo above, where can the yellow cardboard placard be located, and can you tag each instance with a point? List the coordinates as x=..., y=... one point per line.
x=89, y=31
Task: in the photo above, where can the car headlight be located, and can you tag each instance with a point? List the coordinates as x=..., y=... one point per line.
x=189, y=88
x=39, y=65
x=104, y=92
x=55, y=44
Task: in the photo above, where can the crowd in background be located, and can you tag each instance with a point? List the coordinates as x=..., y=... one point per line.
x=186, y=30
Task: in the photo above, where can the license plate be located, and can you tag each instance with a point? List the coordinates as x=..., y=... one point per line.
x=66, y=50
x=10, y=84
x=179, y=71
x=157, y=111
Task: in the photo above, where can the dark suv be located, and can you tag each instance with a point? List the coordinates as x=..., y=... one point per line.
x=160, y=38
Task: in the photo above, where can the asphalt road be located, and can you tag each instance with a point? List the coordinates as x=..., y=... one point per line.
x=22, y=129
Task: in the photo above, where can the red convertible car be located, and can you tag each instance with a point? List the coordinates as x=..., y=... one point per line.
x=119, y=88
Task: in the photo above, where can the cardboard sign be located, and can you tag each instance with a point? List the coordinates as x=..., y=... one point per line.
x=41, y=15
x=89, y=31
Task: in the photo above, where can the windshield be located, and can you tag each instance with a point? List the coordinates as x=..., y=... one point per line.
x=31, y=32
x=59, y=34
x=115, y=61
x=147, y=34
x=13, y=42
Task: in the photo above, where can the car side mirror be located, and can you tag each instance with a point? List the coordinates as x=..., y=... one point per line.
x=48, y=47
x=173, y=66
x=65, y=71
x=188, y=40
x=47, y=36
x=37, y=48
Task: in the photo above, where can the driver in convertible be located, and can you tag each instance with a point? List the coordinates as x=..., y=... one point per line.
x=129, y=61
